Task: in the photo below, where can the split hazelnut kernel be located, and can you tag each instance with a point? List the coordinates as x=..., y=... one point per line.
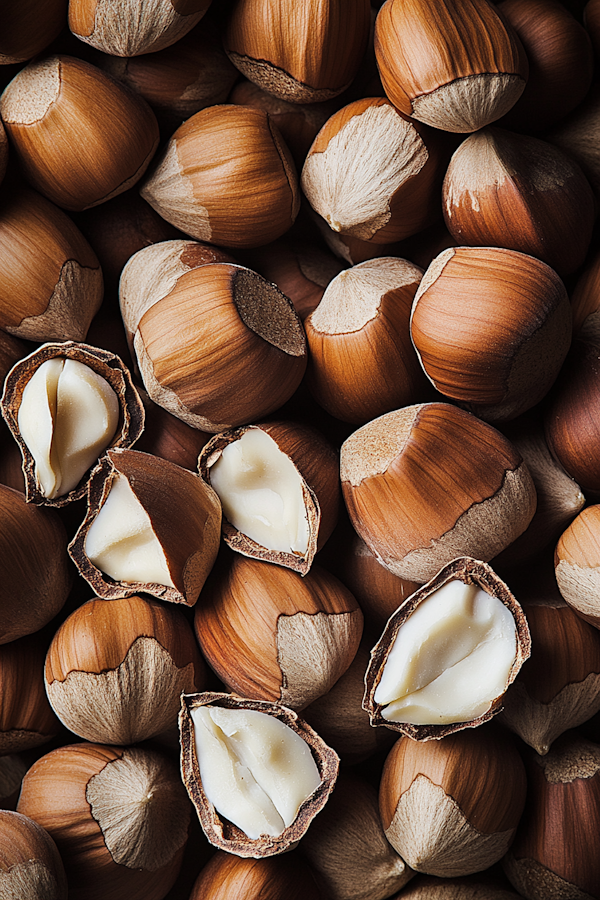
x=279, y=488
x=65, y=404
x=450, y=659
x=448, y=654
x=255, y=770
x=256, y=773
x=151, y=526
x=68, y=415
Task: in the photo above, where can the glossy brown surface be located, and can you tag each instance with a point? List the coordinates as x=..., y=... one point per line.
x=218, y=367
x=480, y=769
x=236, y=174
x=572, y=421
x=26, y=718
x=47, y=267
x=29, y=859
x=565, y=649
x=421, y=47
x=492, y=328
x=508, y=190
x=317, y=44
x=99, y=634
x=562, y=813
x=54, y=794
x=34, y=566
x=425, y=466
x=560, y=62
x=92, y=140
x=272, y=878
x=236, y=621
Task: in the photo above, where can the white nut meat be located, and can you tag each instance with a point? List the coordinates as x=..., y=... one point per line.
x=260, y=490
x=255, y=770
x=451, y=658
x=67, y=417
x=121, y=541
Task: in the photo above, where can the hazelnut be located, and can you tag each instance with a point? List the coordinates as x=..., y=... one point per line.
x=30, y=865
x=561, y=63
x=518, y=192
x=347, y=846
x=65, y=403
x=34, y=565
x=285, y=877
x=151, y=526
x=80, y=137
x=577, y=564
x=51, y=283
x=448, y=654
x=26, y=718
x=451, y=807
x=374, y=174
x=271, y=634
x=256, y=773
x=552, y=851
x=278, y=484
x=492, y=328
x=361, y=359
x=559, y=688
x=226, y=177
x=304, y=53
x=179, y=80
x=29, y=27
x=427, y=483
x=457, y=67
x=116, y=669
x=571, y=418
x=119, y=29
x=218, y=346
x=119, y=817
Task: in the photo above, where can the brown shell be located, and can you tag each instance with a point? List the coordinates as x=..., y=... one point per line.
x=105, y=364
x=185, y=517
x=319, y=471
x=222, y=833
x=469, y=571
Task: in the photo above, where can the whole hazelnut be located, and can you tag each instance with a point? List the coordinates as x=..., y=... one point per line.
x=81, y=138
x=226, y=177
x=457, y=66
x=304, y=53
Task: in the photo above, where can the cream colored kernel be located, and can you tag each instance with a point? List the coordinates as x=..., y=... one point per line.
x=261, y=493
x=121, y=541
x=255, y=770
x=451, y=658
x=67, y=417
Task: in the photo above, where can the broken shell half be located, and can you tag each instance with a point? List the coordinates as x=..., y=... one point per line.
x=65, y=404
x=279, y=488
x=260, y=756
x=448, y=654
x=151, y=526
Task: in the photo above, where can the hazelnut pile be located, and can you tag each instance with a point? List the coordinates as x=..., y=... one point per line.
x=300, y=450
